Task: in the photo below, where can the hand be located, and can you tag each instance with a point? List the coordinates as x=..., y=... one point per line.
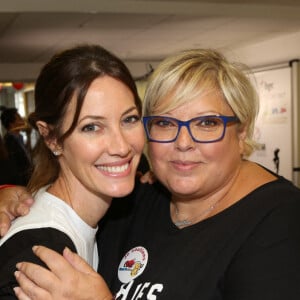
x=148, y=177
x=14, y=202
x=69, y=277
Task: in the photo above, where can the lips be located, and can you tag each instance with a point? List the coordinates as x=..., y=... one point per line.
x=114, y=169
x=184, y=165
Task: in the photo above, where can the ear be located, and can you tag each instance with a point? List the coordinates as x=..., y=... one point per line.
x=43, y=128
x=51, y=143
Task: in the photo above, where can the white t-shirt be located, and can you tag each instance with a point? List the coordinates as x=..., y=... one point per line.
x=50, y=211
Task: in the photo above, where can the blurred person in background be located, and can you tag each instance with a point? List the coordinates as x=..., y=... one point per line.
x=8, y=168
x=13, y=123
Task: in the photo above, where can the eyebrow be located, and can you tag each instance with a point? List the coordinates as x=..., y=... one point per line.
x=130, y=110
x=95, y=117
x=198, y=114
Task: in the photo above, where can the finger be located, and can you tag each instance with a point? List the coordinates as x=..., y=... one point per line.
x=15, y=201
x=20, y=209
x=20, y=294
x=36, y=275
x=24, y=196
x=152, y=179
x=143, y=179
x=77, y=262
x=28, y=289
x=55, y=262
x=4, y=223
x=24, y=200
x=148, y=177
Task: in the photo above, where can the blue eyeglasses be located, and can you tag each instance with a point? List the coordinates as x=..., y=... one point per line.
x=204, y=129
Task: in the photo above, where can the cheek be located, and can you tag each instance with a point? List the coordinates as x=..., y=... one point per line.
x=83, y=152
x=213, y=151
x=159, y=154
x=228, y=150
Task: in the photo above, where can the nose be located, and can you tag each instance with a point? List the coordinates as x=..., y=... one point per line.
x=184, y=140
x=119, y=144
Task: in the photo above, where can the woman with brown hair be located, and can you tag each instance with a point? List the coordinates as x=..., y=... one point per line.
x=88, y=115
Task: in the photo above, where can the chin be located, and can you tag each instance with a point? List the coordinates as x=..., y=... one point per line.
x=182, y=189
x=121, y=191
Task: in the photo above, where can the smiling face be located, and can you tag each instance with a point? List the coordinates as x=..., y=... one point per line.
x=103, y=151
x=194, y=170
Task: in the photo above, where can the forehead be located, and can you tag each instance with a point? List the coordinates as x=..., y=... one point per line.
x=107, y=93
x=105, y=96
x=209, y=99
x=180, y=91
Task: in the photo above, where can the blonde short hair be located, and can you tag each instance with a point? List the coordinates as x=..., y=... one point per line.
x=191, y=73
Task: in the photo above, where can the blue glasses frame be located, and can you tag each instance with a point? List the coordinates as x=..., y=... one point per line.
x=225, y=120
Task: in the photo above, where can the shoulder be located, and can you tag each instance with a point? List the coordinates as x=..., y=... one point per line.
x=143, y=196
x=283, y=199
x=20, y=244
x=265, y=240
x=279, y=198
x=269, y=215
x=9, y=137
x=280, y=192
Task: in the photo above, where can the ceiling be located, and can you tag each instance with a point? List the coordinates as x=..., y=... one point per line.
x=141, y=32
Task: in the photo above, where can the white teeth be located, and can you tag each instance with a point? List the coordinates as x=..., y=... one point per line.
x=114, y=169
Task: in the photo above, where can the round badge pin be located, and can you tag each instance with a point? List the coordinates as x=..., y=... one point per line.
x=133, y=264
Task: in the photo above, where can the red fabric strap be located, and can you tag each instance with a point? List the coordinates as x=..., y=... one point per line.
x=4, y=186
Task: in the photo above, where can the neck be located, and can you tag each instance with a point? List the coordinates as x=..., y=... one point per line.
x=182, y=219
x=89, y=206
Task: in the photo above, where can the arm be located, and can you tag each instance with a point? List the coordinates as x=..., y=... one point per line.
x=68, y=277
x=14, y=202
x=18, y=247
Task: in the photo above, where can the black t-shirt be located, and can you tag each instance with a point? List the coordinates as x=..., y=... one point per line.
x=19, y=248
x=250, y=251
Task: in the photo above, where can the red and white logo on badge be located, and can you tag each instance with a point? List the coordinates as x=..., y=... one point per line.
x=133, y=264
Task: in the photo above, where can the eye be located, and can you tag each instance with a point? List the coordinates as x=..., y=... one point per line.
x=132, y=119
x=90, y=127
x=163, y=122
x=208, y=122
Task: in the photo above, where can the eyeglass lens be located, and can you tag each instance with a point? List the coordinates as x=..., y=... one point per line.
x=204, y=129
